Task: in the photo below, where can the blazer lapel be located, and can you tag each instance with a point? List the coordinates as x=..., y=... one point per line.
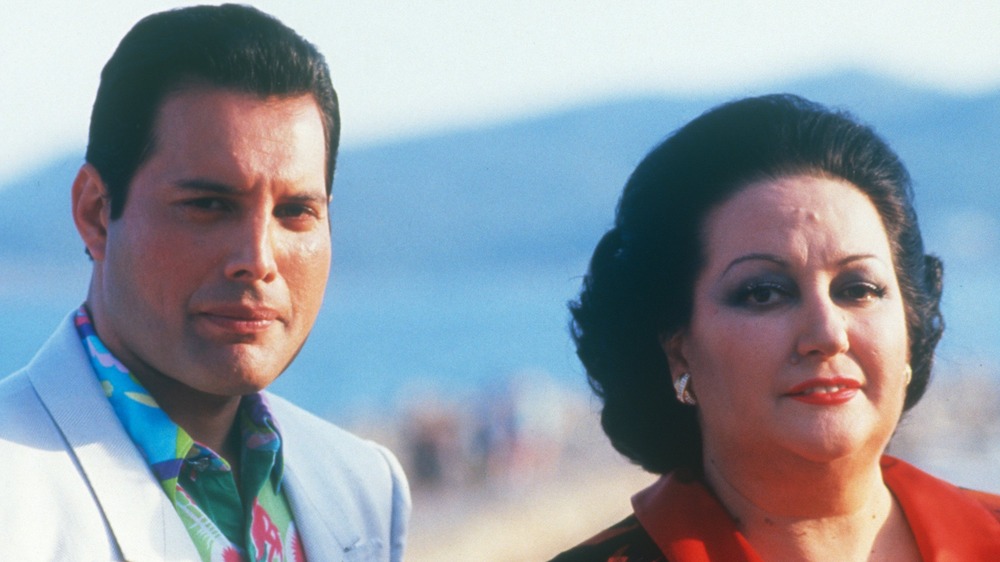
x=323, y=526
x=140, y=515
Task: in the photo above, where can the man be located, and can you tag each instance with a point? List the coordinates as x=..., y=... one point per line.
x=141, y=430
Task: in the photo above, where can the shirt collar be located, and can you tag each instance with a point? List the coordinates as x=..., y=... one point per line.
x=162, y=442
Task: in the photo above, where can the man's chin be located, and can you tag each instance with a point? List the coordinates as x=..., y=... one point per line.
x=236, y=378
x=231, y=369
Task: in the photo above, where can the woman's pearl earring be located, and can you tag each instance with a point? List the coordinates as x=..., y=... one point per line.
x=684, y=396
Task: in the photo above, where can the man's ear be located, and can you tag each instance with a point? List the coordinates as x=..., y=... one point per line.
x=91, y=210
x=674, y=348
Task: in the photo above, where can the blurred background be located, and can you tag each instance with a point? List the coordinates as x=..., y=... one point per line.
x=484, y=148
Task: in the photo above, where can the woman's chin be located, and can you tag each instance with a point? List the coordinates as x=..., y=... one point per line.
x=831, y=446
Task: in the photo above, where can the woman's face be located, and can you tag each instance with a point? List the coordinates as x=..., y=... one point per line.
x=797, y=343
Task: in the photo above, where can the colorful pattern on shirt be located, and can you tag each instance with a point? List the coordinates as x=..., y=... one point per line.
x=198, y=481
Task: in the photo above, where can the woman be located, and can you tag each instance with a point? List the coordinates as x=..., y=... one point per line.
x=756, y=322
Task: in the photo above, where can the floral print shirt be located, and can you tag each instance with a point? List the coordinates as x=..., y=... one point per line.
x=200, y=483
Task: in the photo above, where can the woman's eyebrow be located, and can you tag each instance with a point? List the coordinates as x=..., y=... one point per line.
x=755, y=257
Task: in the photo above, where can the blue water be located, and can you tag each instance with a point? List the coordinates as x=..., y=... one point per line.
x=378, y=339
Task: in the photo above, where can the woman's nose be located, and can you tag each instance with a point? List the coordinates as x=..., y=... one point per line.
x=824, y=328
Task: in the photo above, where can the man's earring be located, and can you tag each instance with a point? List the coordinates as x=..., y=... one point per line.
x=684, y=396
x=909, y=374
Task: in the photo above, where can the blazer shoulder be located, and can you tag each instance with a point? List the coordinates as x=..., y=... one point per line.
x=23, y=416
x=342, y=486
x=299, y=424
x=307, y=436
x=56, y=383
x=43, y=472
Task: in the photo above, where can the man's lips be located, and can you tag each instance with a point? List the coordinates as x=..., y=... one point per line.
x=825, y=391
x=239, y=319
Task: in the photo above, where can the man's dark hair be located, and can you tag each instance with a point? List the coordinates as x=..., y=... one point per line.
x=231, y=47
x=640, y=285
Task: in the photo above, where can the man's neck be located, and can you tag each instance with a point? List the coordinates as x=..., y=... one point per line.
x=207, y=418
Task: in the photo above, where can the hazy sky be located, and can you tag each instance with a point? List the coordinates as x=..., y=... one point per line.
x=402, y=68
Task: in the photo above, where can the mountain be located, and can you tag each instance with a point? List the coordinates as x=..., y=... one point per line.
x=455, y=254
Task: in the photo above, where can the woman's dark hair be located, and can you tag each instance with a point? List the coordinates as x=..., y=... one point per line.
x=231, y=47
x=641, y=279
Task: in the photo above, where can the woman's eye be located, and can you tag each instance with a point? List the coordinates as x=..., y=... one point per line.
x=760, y=294
x=862, y=292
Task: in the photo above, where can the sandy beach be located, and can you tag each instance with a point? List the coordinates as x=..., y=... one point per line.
x=532, y=520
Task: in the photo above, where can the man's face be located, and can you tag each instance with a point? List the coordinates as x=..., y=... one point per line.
x=216, y=269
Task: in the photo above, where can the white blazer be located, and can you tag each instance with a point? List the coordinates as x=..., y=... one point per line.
x=75, y=487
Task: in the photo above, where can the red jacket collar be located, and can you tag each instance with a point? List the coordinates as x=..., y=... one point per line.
x=688, y=524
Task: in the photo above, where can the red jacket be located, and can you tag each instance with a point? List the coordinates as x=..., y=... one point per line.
x=679, y=520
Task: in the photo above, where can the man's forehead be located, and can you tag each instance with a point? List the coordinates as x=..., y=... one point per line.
x=195, y=90
x=199, y=116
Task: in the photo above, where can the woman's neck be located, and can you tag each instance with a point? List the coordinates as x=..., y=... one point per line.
x=803, y=510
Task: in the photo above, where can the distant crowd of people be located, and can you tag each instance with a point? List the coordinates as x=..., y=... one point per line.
x=514, y=432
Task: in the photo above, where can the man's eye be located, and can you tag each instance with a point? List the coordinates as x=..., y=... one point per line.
x=295, y=211
x=208, y=204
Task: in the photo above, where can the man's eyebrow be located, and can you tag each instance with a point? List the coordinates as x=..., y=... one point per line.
x=314, y=198
x=207, y=185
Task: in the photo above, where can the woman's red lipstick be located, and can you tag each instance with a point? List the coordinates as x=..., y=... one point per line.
x=825, y=392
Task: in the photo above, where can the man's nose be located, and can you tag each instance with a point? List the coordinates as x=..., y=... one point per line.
x=252, y=252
